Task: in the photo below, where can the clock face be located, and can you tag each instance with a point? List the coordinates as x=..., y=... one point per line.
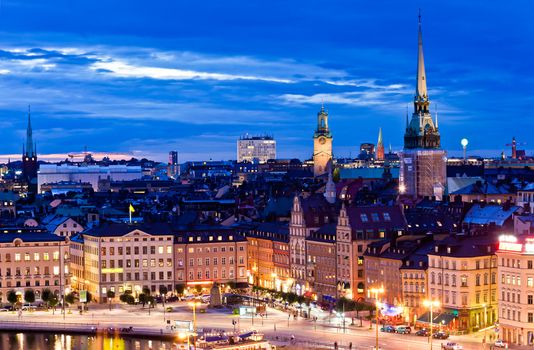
x=322, y=140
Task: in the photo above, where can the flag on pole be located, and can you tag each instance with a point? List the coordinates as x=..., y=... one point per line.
x=131, y=210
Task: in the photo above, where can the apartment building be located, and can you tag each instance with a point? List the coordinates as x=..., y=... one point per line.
x=205, y=255
x=516, y=289
x=119, y=257
x=462, y=275
x=33, y=260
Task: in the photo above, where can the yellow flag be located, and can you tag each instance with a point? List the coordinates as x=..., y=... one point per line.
x=131, y=209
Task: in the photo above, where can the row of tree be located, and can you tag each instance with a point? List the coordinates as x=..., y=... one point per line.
x=50, y=299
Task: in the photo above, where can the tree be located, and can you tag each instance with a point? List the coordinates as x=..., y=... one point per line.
x=180, y=288
x=110, y=294
x=198, y=288
x=46, y=295
x=146, y=291
x=291, y=298
x=163, y=292
x=127, y=298
x=12, y=297
x=143, y=299
x=53, y=302
x=29, y=296
x=70, y=299
x=89, y=297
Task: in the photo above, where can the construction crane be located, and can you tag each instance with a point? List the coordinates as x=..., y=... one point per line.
x=514, y=145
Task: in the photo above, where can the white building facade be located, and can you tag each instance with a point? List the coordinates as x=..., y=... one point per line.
x=53, y=173
x=256, y=149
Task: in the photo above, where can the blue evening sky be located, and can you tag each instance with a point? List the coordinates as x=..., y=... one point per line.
x=147, y=77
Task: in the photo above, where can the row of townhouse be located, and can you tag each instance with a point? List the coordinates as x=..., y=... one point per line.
x=120, y=257
x=327, y=242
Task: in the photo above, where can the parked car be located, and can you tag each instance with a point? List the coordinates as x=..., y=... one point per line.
x=423, y=332
x=440, y=335
x=403, y=329
x=6, y=308
x=451, y=346
x=387, y=329
x=499, y=343
x=28, y=307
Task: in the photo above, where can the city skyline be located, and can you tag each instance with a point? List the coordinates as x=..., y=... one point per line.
x=143, y=87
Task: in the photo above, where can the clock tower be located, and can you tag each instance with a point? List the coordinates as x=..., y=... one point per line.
x=322, y=144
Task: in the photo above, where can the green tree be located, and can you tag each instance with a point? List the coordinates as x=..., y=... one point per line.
x=70, y=299
x=146, y=291
x=143, y=299
x=46, y=295
x=29, y=296
x=12, y=297
x=163, y=292
x=53, y=303
x=89, y=297
x=180, y=288
x=291, y=298
x=110, y=294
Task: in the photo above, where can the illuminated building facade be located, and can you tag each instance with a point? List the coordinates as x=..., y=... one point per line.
x=516, y=289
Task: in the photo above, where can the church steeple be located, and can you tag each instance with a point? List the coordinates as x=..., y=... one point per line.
x=421, y=132
x=420, y=91
x=379, y=146
x=322, y=122
x=29, y=151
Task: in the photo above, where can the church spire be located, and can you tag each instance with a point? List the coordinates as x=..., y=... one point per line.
x=29, y=151
x=379, y=137
x=420, y=91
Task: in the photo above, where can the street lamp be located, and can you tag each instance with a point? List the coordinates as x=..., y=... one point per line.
x=376, y=291
x=431, y=304
x=485, y=323
x=464, y=143
x=194, y=304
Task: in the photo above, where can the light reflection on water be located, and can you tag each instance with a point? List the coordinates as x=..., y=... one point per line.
x=49, y=341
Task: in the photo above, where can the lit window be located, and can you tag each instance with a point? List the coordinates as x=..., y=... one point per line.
x=56, y=270
x=364, y=218
x=160, y=250
x=17, y=256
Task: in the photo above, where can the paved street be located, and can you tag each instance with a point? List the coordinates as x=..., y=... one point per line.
x=277, y=324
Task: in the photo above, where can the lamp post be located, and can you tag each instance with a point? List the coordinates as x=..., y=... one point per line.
x=376, y=291
x=485, y=323
x=464, y=143
x=194, y=305
x=431, y=304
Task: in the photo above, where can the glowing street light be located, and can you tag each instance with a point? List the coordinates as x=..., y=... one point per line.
x=402, y=188
x=464, y=143
x=377, y=291
x=194, y=305
x=431, y=304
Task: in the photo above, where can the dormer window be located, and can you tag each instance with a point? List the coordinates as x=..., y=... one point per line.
x=448, y=250
x=364, y=218
x=436, y=249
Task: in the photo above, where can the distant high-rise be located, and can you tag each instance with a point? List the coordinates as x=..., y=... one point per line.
x=173, y=168
x=256, y=149
x=380, y=146
x=423, y=164
x=29, y=158
x=322, y=144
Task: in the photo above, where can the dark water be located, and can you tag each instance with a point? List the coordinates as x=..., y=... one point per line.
x=49, y=341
